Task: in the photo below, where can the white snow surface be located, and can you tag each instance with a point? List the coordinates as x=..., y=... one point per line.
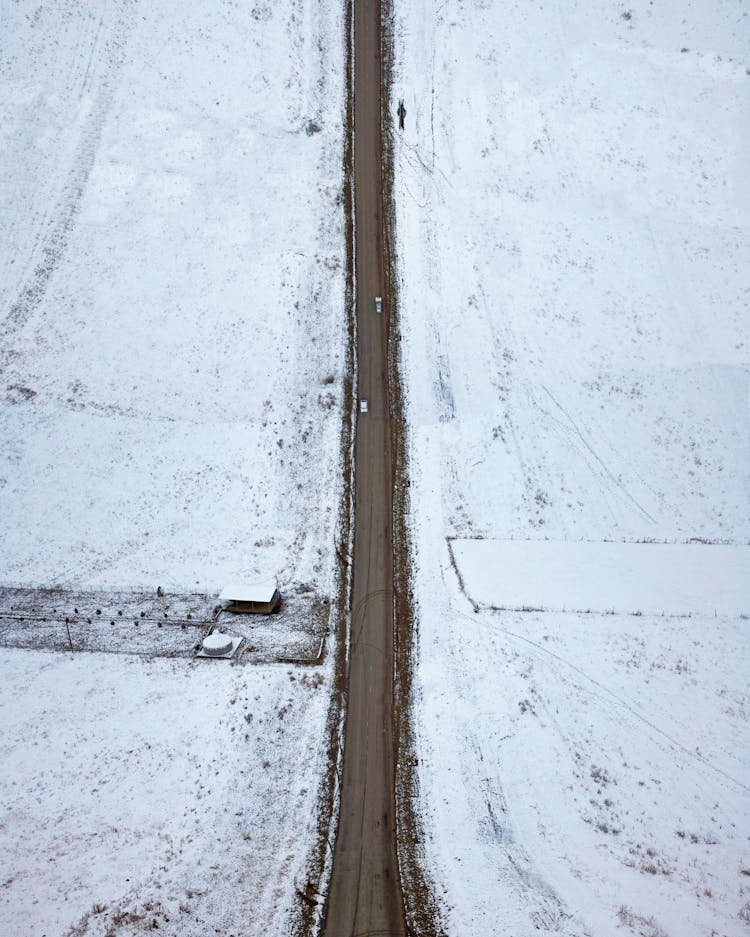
x=171, y=291
x=172, y=335
x=137, y=791
x=573, y=231
x=631, y=578
x=248, y=592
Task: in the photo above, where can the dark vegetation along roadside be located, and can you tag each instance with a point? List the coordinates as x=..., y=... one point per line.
x=312, y=897
x=422, y=915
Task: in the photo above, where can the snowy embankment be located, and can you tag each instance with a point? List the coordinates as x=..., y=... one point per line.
x=172, y=344
x=573, y=231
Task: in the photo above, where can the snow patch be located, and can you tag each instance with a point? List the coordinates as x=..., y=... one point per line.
x=629, y=578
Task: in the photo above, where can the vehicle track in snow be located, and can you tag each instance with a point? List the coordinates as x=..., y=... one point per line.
x=86, y=99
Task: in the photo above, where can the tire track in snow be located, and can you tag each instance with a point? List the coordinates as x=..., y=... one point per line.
x=604, y=690
x=608, y=473
x=525, y=892
x=58, y=225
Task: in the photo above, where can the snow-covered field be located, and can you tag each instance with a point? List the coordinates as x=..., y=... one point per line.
x=171, y=291
x=172, y=345
x=573, y=223
x=138, y=792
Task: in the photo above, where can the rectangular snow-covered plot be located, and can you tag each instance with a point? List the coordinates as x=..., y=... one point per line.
x=676, y=579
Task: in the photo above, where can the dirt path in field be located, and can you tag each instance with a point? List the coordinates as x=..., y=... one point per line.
x=365, y=893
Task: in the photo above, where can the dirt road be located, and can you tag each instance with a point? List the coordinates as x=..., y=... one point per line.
x=365, y=895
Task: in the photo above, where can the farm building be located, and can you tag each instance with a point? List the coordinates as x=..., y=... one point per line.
x=261, y=598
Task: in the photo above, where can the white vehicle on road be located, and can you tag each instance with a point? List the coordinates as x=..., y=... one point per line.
x=378, y=304
x=363, y=406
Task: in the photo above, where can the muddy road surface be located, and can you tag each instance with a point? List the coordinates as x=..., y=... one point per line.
x=365, y=894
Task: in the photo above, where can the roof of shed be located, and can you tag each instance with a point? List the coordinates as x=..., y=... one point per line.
x=249, y=592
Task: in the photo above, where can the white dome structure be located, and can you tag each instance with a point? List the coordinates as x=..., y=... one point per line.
x=217, y=644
